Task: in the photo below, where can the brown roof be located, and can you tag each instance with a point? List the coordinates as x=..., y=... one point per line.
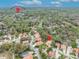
x=28, y=57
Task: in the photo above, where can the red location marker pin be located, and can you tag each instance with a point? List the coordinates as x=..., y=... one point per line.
x=49, y=37
x=18, y=9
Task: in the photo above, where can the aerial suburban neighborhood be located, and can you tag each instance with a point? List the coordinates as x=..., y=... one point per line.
x=40, y=30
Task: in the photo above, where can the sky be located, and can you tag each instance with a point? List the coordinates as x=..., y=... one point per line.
x=39, y=3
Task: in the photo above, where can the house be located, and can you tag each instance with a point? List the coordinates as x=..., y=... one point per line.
x=23, y=37
x=5, y=39
x=3, y=27
x=26, y=55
